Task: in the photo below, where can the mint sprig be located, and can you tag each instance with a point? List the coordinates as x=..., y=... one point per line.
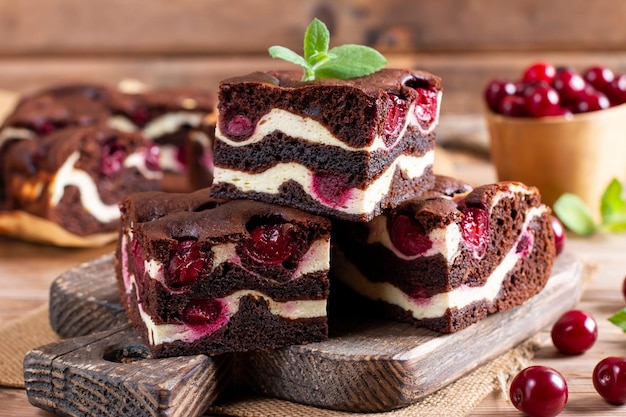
x=342, y=62
x=577, y=216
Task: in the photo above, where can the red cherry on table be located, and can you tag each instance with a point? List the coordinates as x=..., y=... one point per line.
x=574, y=332
x=624, y=288
x=609, y=379
x=539, y=71
x=539, y=391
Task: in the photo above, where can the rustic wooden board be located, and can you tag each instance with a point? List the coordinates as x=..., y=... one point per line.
x=110, y=374
x=366, y=365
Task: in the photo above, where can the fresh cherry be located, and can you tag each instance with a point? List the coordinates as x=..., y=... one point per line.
x=559, y=234
x=112, y=159
x=599, y=77
x=202, y=312
x=590, y=100
x=539, y=71
x=624, y=287
x=574, y=332
x=496, y=91
x=609, y=379
x=239, y=127
x=408, y=236
x=541, y=100
x=512, y=106
x=271, y=244
x=539, y=391
x=331, y=189
x=569, y=84
x=395, y=118
x=475, y=229
x=186, y=264
x=617, y=90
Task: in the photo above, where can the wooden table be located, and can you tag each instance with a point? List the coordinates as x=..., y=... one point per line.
x=26, y=271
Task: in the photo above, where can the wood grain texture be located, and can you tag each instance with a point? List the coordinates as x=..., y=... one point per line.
x=204, y=27
x=70, y=317
x=110, y=374
x=366, y=365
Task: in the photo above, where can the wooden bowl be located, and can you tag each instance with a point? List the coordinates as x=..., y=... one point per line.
x=580, y=154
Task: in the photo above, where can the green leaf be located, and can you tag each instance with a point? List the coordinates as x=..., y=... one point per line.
x=343, y=62
x=574, y=214
x=316, y=40
x=288, y=55
x=351, y=61
x=619, y=319
x=613, y=207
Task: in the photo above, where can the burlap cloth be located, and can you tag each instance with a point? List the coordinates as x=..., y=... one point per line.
x=457, y=399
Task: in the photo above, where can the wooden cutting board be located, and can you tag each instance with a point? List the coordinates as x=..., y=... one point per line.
x=367, y=365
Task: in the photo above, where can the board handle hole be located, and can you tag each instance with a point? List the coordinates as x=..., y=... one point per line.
x=127, y=354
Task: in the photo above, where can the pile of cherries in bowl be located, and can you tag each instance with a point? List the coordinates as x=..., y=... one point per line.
x=546, y=90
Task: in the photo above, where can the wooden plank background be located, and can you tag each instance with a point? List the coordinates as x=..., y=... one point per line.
x=199, y=42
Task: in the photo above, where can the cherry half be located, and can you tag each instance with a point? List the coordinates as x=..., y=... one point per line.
x=203, y=312
x=574, y=332
x=186, y=264
x=239, y=127
x=271, y=244
x=394, y=119
x=408, y=236
x=539, y=391
x=331, y=189
x=112, y=159
x=475, y=229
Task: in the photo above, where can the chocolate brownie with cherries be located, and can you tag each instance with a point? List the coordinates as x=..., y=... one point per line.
x=451, y=257
x=340, y=148
x=199, y=275
x=76, y=176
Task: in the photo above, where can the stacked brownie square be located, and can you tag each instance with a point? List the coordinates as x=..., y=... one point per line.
x=251, y=255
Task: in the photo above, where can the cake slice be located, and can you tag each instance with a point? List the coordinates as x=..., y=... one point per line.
x=174, y=118
x=345, y=149
x=76, y=176
x=451, y=257
x=197, y=275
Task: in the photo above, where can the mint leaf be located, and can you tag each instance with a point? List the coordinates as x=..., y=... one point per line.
x=287, y=55
x=574, y=214
x=316, y=40
x=619, y=319
x=613, y=207
x=343, y=62
x=351, y=61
